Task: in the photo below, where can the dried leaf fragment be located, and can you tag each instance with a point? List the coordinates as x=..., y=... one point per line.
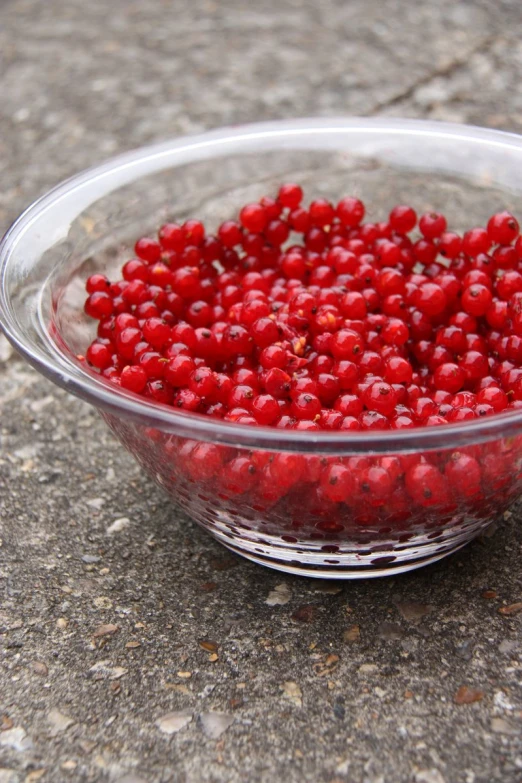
x=325, y=667
x=466, y=695
x=511, y=609
x=104, y=669
x=6, y=723
x=106, y=630
x=305, y=614
x=208, y=587
x=352, y=634
x=208, y=645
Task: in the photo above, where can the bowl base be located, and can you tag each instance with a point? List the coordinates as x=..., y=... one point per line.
x=347, y=564
x=341, y=572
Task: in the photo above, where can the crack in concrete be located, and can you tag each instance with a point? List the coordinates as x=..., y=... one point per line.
x=443, y=71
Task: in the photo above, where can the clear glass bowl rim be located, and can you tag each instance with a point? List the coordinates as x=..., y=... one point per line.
x=67, y=373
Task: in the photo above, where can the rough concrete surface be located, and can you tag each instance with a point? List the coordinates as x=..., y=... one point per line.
x=134, y=648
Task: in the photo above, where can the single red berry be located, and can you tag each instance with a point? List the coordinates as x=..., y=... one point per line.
x=503, y=228
x=265, y=409
x=264, y=332
x=449, y=377
x=353, y=305
x=277, y=383
x=321, y=212
x=343, y=261
x=186, y=282
x=398, y=370
x=504, y=257
x=426, y=485
x=240, y=475
x=172, y=237
x=403, y=219
x=450, y=245
x=230, y=234
x=388, y=254
x=328, y=388
x=337, y=483
x=432, y=225
x=346, y=373
x=306, y=406
x=253, y=218
x=148, y=249
x=495, y=397
x=425, y=251
x=430, y=299
x=390, y=281
x=290, y=195
x=346, y=344
x=377, y=483
x=463, y=474
x=99, y=305
x=205, y=343
x=475, y=242
x=464, y=321
x=193, y=232
x=156, y=331
x=451, y=337
x=395, y=332
x=381, y=397
x=373, y=420
x=96, y=283
x=476, y=299
x=299, y=220
x=202, y=381
x=153, y=364
x=302, y=385
x=127, y=340
x=474, y=364
x=179, y=369
x=133, y=378
x=509, y=284
x=277, y=232
x=99, y=355
x=350, y=211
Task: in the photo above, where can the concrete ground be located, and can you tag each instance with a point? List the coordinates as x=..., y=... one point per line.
x=116, y=611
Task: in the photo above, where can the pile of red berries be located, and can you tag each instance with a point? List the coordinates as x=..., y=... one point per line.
x=309, y=318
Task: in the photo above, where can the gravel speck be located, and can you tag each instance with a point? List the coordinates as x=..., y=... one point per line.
x=391, y=632
x=214, y=724
x=173, y=722
x=16, y=738
x=279, y=596
x=59, y=722
x=413, y=611
x=292, y=691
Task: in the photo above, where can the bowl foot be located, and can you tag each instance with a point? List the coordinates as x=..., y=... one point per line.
x=343, y=565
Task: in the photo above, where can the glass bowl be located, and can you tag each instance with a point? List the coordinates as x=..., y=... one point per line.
x=90, y=223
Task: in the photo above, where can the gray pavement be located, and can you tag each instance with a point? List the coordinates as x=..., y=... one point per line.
x=133, y=648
